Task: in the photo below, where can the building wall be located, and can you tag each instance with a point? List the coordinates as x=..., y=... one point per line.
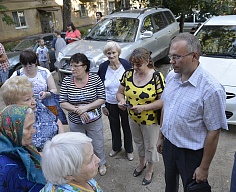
x=32, y=15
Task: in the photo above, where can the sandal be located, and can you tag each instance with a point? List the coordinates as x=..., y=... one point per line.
x=137, y=173
x=147, y=182
x=102, y=170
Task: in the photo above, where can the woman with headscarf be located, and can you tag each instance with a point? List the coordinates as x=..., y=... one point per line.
x=20, y=168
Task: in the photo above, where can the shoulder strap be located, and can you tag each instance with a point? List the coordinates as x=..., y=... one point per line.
x=157, y=73
x=18, y=72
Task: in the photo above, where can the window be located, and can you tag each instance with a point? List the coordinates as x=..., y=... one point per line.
x=169, y=17
x=147, y=25
x=111, y=6
x=83, y=11
x=19, y=18
x=159, y=21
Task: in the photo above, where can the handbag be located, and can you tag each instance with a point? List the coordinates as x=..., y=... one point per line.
x=157, y=73
x=198, y=187
x=52, y=103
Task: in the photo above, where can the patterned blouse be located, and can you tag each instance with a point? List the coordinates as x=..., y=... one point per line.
x=140, y=95
x=70, y=187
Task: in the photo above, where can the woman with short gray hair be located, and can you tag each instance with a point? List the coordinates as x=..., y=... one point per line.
x=110, y=73
x=69, y=163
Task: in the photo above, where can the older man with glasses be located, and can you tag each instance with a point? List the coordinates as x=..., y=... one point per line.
x=193, y=115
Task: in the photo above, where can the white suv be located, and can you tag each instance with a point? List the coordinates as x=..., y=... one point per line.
x=218, y=40
x=151, y=28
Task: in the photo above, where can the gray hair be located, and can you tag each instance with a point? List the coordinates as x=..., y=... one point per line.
x=193, y=43
x=63, y=156
x=110, y=45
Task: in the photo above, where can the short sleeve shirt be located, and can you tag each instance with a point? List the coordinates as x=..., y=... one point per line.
x=191, y=108
x=39, y=81
x=74, y=34
x=5, y=64
x=42, y=53
x=136, y=95
x=93, y=90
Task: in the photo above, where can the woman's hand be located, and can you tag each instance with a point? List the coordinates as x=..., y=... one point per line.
x=121, y=105
x=85, y=117
x=105, y=111
x=138, y=109
x=44, y=94
x=80, y=109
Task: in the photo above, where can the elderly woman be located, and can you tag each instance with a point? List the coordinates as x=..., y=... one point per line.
x=19, y=160
x=82, y=95
x=19, y=90
x=141, y=89
x=110, y=73
x=69, y=163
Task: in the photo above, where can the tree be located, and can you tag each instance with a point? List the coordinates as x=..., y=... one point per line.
x=6, y=18
x=66, y=13
x=181, y=8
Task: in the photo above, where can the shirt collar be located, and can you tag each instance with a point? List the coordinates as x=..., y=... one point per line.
x=194, y=78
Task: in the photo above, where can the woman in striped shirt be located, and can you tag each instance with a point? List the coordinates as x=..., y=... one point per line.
x=82, y=95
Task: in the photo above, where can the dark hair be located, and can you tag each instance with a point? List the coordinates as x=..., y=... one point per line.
x=72, y=26
x=141, y=54
x=80, y=57
x=99, y=13
x=28, y=57
x=39, y=40
x=57, y=32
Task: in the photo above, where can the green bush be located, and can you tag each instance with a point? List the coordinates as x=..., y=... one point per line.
x=84, y=30
x=9, y=45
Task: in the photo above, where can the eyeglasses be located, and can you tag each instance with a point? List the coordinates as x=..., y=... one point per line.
x=75, y=66
x=177, y=57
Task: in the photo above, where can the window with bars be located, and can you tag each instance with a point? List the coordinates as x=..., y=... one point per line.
x=19, y=18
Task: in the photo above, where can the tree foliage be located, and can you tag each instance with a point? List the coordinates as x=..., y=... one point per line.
x=5, y=18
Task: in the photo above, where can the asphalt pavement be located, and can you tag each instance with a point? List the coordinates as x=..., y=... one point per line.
x=119, y=177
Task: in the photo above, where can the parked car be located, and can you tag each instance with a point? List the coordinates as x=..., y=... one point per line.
x=151, y=28
x=30, y=43
x=218, y=40
x=193, y=21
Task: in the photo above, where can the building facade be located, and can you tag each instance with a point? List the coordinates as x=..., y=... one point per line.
x=43, y=16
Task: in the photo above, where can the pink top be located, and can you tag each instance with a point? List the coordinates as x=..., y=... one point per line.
x=73, y=34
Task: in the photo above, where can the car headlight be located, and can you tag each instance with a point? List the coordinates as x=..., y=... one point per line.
x=60, y=56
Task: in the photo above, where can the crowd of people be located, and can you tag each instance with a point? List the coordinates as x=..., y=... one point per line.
x=42, y=157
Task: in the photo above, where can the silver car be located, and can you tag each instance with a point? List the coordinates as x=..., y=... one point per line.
x=151, y=28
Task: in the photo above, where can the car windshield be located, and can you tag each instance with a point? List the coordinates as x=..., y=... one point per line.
x=25, y=44
x=115, y=29
x=218, y=40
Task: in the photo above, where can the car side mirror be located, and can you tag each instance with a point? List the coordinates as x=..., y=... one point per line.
x=147, y=34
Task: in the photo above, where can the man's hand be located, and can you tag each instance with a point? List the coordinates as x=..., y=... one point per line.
x=160, y=142
x=200, y=175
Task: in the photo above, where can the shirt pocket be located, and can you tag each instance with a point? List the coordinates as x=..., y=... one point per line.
x=189, y=109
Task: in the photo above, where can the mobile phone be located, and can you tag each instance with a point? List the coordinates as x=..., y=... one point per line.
x=128, y=105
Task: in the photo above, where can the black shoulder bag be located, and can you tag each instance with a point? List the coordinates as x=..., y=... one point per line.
x=157, y=73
